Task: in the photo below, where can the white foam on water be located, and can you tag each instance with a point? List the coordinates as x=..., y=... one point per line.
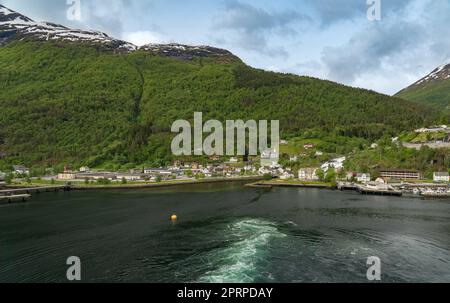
x=238, y=262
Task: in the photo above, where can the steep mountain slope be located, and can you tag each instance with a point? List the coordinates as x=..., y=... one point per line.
x=87, y=101
x=434, y=89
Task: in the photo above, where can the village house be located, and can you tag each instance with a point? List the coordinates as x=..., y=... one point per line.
x=84, y=169
x=269, y=158
x=129, y=177
x=308, y=174
x=287, y=175
x=293, y=159
x=441, y=177
x=67, y=175
x=337, y=164
x=158, y=172
x=233, y=160
x=96, y=176
x=363, y=177
x=308, y=146
x=400, y=174
x=21, y=170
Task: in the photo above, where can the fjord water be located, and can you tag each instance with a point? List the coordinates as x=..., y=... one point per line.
x=225, y=233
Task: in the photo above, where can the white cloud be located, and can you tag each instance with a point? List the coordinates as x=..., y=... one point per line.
x=140, y=38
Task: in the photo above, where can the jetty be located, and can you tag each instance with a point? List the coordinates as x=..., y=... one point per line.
x=436, y=195
x=378, y=191
x=14, y=199
x=371, y=188
x=346, y=186
x=23, y=194
x=33, y=190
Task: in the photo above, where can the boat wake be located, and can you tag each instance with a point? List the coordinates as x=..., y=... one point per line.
x=243, y=261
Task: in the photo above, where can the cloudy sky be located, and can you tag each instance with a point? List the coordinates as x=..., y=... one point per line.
x=328, y=39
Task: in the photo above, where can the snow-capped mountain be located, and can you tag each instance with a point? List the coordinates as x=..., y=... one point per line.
x=15, y=25
x=184, y=51
x=440, y=73
x=433, y=89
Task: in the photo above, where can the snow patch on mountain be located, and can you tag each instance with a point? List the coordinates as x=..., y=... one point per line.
x=440, y=73
x=11, y=21
x=15, y=25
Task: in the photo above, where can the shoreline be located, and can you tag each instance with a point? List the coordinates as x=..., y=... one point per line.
x=270, y=184
x=163, y=184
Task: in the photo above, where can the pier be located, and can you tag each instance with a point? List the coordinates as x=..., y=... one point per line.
x=13, y=195
x=364, y=190
x=379, y=190
x=33, y=190
x=14, y=199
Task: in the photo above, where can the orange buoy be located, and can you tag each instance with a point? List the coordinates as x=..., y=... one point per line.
x=174, y=218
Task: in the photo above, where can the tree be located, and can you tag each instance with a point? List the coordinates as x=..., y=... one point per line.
x=158, y=179
x=124, y=181
x=9, y=178
x=331, y=175
x=321, y=174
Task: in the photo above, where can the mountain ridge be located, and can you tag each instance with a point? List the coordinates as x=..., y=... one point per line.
x=433, y=89
x=16, y=25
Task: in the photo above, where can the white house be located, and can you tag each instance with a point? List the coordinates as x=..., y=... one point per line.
x=287, y=176
x=363, y=177
x=19, y=169
x=67, y=176
x=84, y=169
x=337, y=164
x=441, y=177
x=308, y=174
x=129, y=177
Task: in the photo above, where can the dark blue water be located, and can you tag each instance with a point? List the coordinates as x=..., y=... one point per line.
x=225, y=233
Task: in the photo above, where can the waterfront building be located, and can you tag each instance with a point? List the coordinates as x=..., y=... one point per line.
x=129, y=177
x=441, y=177
x=308, y=174
x=67, y=175
x=400, y=174
x=363, y=177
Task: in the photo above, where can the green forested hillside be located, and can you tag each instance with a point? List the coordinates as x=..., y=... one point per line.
x=436, y=94
x=63, y=102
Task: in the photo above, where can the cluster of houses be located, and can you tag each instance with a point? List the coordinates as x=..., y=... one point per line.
x=177, y=171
